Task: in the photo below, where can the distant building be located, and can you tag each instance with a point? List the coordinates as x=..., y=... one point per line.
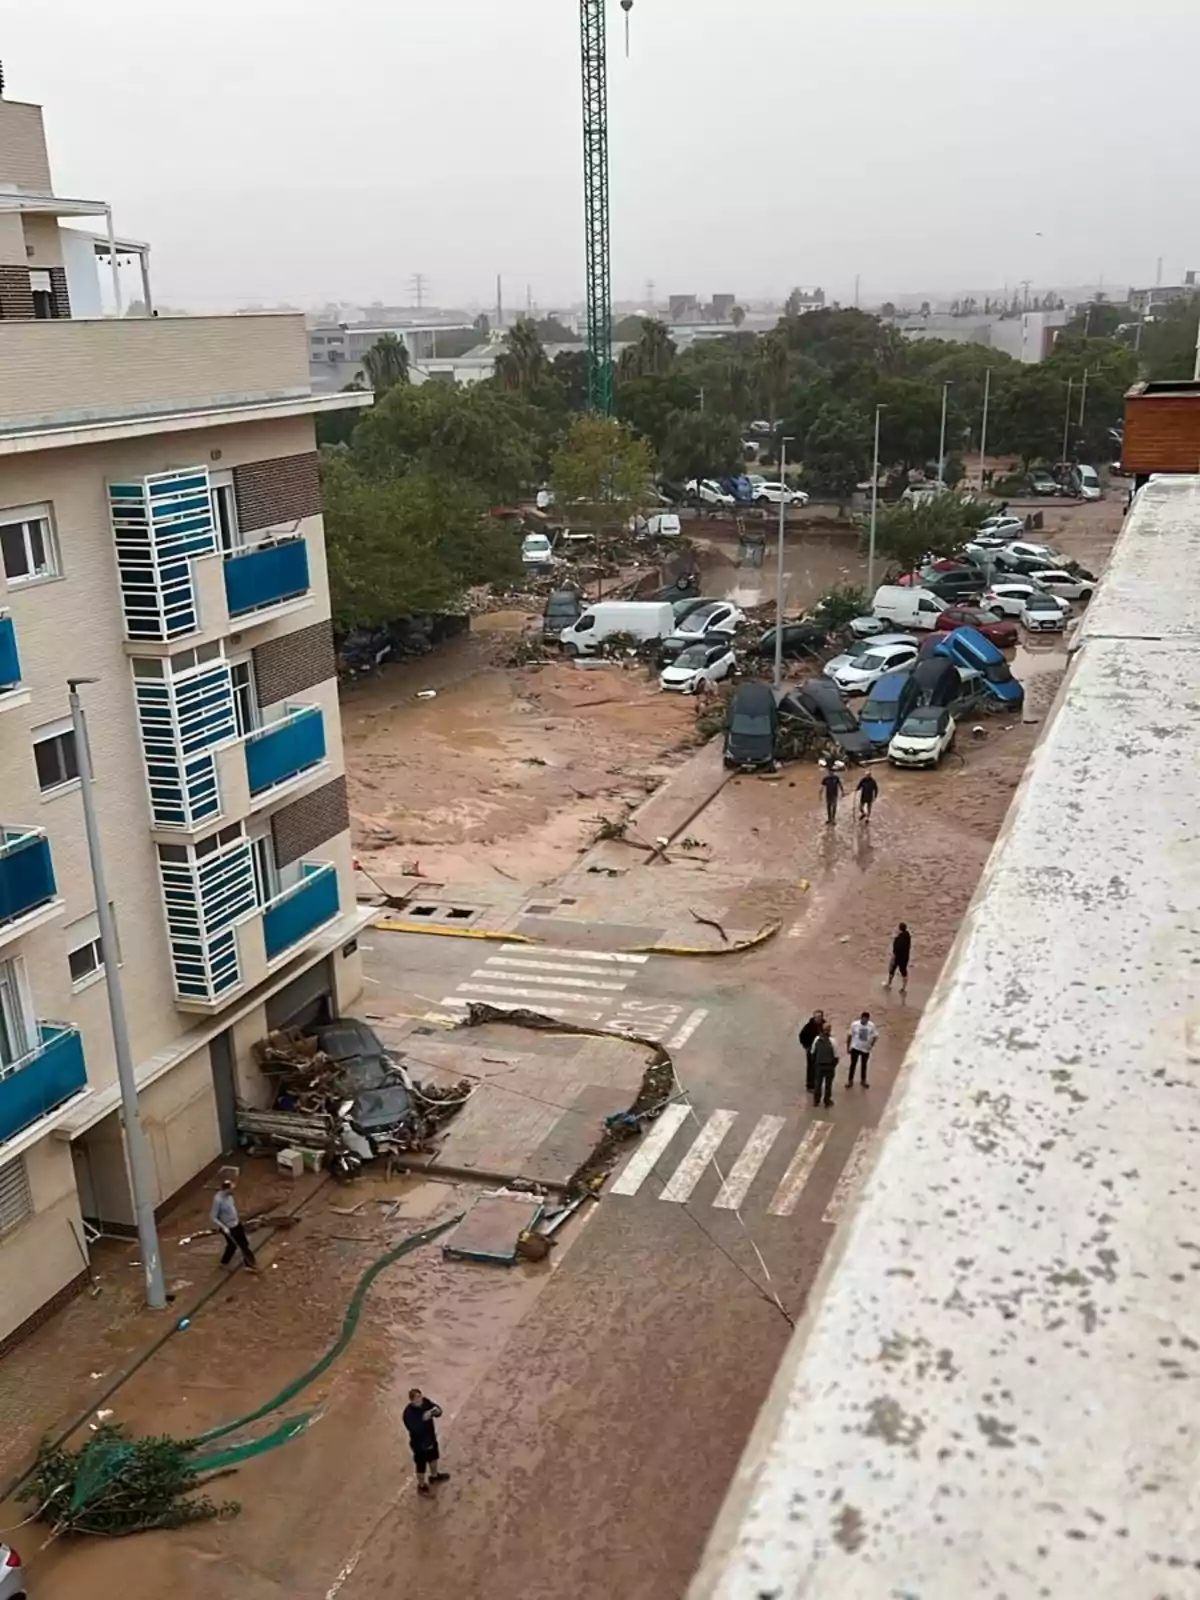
x=681, y=306
x=722, y=305
x=1027, y=337
x=1146, y=301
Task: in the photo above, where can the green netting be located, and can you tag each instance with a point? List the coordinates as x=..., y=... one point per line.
x=349, y=1324
x=100, y=1461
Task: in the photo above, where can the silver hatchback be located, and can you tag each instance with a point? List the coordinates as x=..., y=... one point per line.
x=12, y=1575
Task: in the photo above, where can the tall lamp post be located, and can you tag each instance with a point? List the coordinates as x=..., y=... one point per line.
x=987, y=395
x=941, y=477
x=1067, y=420
x=136, y=1149
x=783, y=444
x=874, y=507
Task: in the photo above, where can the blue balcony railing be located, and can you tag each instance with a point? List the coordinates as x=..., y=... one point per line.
x=285, y=748
x=10, y=661
x=298, y=912
x=266, y=576
x=49, y=1075
x=26, y=872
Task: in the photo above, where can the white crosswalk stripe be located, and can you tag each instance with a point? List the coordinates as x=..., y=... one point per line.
x=704, y=1147
x=704, y=1151
x=851, y=1176
x=573, y=985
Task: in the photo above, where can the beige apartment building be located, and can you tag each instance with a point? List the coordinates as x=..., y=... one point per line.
x=161, y=533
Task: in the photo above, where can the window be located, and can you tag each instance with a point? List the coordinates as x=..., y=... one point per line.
x=185, y=660
x=43, y=293
x=224, y=511
x=18, y=1030
x=266, y=878
x=85, y=957
x=245, y=701
x=216, y=841
x=54, y=755
x=27, y=543
x=16, y=1202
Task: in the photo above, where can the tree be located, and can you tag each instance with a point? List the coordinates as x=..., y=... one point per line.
x=648, y=404
x=399, y=546
x=1168, y=341
x=906, y=534
x=651, y=355
x=602, y=471
x=482, y=325
x=840, y=605
x=701, y=444
x=838, y=451
x=910, y=425
x=737, y=316
x=523, y=361
x=888, y=309
x=551, y=331
x=476, y=435
x=771, y=374
x=386, y=364
x=571, y=373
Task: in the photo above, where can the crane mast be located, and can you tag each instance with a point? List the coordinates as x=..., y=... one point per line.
x=593, y=57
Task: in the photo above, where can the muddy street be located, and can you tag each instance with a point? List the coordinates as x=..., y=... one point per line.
x=595, y=1404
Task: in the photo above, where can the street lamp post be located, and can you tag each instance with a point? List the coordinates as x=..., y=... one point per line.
x=874, y=508
x=1067, y=420
x=941, y=477
x=987, y=395
x=136, y=1149
x=783, y=444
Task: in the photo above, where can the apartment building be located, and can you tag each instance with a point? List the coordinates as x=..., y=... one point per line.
x=160, y=533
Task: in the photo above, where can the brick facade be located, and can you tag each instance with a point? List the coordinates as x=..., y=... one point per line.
x=59, y=292
x=286, y=666
x=1162, y=428
x=272, y=492
x=310, y=821
x=16, y=296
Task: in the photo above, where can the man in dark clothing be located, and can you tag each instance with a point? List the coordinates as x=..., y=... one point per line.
x=901, y=950
x=422, y=1437
x=832, y=786
x=809, y=1034
x=825, y=1060
x=867, y=791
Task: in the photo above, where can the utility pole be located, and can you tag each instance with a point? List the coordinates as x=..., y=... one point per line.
x=499, y=303
x=136, y=1151
x=874, y=509
x=941, y=477
x=1067, y=421
x=783, y=444
x=419, y=284
x=856, y=283
x=1025, y=282
x=1083, y=398
x=987, y=395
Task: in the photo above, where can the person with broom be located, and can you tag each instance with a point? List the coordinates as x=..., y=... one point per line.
x=224, y=1215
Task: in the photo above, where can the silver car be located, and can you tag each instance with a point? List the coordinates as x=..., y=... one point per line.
x=12, y=1575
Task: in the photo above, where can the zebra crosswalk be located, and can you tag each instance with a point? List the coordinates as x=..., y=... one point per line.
x=580, y=986
x=711, y=1144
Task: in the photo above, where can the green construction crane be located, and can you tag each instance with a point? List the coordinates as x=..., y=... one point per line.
x=593, y=54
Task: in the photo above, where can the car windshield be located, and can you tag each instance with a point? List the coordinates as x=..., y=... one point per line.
x=1041, y=602
x=872, y=663
x=693, y=656
x=880, y=708
x=997, y=672
x=839, y=720
x=922, y=723
x=752, y=723
x=700, y=616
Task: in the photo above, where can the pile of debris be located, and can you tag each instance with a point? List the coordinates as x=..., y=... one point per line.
x=338, y=1091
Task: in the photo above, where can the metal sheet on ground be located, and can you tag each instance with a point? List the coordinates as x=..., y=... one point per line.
x=490, y=1230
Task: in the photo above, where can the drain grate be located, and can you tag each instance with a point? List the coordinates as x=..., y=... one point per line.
x=422, y=911
x=540, y=911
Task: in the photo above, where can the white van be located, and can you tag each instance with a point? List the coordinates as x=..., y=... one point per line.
x=644, y=619
x=907, y=608
x=536, y=551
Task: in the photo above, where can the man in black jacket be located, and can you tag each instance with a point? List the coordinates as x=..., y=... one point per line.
x=422, y=1437
x=825, y=1060
x=808, y=1037
x=901, y=950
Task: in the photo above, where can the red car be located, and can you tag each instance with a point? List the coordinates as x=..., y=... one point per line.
x=1002, y=632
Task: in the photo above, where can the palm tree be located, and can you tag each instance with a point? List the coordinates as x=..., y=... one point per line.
x=653, y=353
x=523, y=361
x=737, y=316
x=386, y=363
x=771, y=360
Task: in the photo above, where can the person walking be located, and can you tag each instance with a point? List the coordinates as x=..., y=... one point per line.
x=825, y=1060
x=832, y=786
x=808, y=1037
x=860, y=1041
x=419, y=1415
x=867, y=791
x=901, y=950
x=224, y=1215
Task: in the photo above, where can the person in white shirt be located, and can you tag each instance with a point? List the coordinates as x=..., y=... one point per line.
x=860, y=1041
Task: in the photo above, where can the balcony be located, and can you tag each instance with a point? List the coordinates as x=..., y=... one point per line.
x=28, y=892
x=269, y=575
x=284, y=750
x=294, y=916
x=41, y=1081
x=12, y=691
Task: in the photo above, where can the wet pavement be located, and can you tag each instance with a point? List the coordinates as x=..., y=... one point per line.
x=596, y=1405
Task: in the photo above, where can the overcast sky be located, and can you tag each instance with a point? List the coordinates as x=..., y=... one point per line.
x=295, y=150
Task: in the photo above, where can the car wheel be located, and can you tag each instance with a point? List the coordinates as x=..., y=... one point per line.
x=571, y=650
x=1085, y=595
x=999, y=611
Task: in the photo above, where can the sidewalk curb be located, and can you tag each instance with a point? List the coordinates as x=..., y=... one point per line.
x=418, y=1169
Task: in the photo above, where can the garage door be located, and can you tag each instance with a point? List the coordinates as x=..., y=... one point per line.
x=307, y=999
